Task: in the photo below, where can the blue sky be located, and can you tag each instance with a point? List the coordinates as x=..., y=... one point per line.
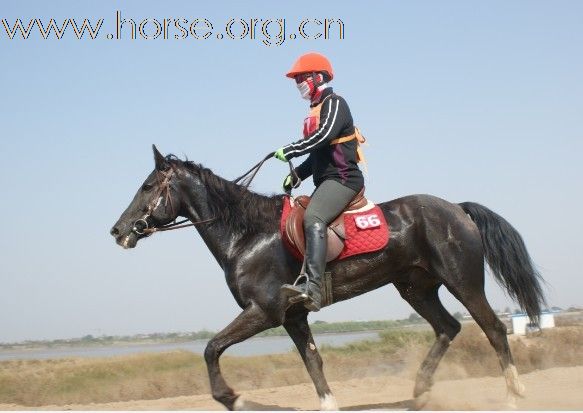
x=467, y=101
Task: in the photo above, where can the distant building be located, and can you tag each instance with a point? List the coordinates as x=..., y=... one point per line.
x=521, y=323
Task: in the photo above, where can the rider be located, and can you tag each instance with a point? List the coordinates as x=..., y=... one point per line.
x=333, y=164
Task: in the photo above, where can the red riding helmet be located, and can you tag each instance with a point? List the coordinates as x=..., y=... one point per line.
x=311, y=62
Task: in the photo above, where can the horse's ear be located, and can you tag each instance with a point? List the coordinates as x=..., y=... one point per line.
x=161, y=162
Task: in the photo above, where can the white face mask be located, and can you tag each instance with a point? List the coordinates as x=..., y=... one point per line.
x=304, y=89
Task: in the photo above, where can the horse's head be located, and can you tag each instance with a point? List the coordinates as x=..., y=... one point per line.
x=155, y=204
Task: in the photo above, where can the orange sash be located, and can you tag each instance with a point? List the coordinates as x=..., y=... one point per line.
x=312, y=122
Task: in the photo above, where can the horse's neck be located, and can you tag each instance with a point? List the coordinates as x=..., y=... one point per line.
x=221, y=240
x=215, y=234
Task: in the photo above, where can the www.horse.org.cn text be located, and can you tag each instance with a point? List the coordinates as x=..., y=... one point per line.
x=269, y=31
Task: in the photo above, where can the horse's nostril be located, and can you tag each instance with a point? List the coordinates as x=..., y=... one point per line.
x=114, y=231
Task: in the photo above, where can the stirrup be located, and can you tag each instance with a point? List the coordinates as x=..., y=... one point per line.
x=296, y=293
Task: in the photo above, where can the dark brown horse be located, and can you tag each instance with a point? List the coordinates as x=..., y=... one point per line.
x=433, y=243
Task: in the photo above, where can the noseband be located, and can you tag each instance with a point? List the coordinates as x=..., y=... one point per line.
x=162, y=192
x=142, y=226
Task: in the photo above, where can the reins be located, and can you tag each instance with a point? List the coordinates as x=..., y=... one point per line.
x=176, y=225
x=244, y=180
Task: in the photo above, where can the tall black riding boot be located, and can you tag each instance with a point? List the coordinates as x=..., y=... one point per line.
x=316, y=243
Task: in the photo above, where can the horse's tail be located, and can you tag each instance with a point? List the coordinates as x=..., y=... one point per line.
x=506, y=255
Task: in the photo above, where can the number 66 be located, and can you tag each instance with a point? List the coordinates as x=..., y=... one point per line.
x=367, y=221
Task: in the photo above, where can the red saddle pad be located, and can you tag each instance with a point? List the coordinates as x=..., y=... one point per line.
x=366, y=231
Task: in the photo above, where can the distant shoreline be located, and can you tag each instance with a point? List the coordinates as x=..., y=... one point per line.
x=318, y=328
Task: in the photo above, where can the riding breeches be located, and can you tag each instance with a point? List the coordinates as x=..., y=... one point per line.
x=327, y=202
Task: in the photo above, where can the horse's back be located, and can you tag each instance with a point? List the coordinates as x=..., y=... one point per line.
x=428, y=207
x=426, y=221
x=420, y=200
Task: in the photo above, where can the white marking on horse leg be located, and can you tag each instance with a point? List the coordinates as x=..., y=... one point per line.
x=312, y=346
x=240, y=404
x=513, y=382
x=328, y=402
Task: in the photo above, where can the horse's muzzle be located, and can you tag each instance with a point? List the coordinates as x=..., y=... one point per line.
x=127, y=241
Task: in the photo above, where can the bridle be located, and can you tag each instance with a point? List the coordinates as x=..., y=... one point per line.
x=163, y=192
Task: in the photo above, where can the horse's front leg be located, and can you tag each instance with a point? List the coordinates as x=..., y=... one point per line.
x=299, y=330
x=251, y=321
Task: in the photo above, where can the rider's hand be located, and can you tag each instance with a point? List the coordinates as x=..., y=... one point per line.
x=287, y=184
x=279, y=155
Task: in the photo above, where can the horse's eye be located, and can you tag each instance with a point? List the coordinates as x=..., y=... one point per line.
x=146, y=187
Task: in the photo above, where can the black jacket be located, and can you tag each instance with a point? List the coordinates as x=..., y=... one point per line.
x=337, y=162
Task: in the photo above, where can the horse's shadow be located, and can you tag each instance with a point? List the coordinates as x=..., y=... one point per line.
x=254, y=406
x=400, y=405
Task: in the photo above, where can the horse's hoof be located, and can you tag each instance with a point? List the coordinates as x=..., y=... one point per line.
x=513, y=382
x=421, y=401
x=520, y=389
x=422, y=386
x=241, y=405
x=511, y=402
x=328, y=403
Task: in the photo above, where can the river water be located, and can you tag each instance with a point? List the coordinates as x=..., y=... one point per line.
x=252, y=347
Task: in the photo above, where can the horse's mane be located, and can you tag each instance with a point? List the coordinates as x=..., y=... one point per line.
x=243, y=211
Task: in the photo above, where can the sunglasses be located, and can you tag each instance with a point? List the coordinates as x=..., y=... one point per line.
x=302, y=77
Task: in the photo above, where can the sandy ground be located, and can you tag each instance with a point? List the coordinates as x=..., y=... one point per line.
x=558, y=388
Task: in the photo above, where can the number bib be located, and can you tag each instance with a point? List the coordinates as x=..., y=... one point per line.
x=367, y=221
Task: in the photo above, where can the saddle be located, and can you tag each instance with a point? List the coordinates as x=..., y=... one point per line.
x=294, y=225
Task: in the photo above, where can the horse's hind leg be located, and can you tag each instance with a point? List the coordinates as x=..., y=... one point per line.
x=248, y=323
x=421, y=293
x=299, y=331
x=477, y=304
x=458, y=261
